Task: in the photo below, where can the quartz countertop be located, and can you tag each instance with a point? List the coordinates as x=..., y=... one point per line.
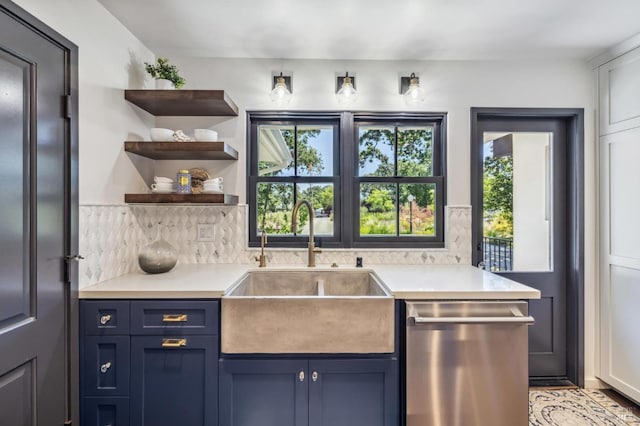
x=403, y=281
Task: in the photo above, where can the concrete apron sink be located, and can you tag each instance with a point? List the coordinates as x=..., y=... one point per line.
x=307, y=311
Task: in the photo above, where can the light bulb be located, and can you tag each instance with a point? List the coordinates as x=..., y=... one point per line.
x=347, y=93
x=414, y=95
x=280, y=94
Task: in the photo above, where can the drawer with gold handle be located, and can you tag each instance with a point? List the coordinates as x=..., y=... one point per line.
x=174, y=317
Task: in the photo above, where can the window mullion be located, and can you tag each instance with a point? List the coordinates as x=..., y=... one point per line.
x=295, y=172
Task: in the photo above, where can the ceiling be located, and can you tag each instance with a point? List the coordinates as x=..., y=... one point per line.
x=380, y=29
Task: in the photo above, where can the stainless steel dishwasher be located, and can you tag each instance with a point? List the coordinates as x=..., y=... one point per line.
x=467, y=363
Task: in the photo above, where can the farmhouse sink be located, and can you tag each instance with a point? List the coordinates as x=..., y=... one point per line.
x=307, y=311
x=323, y=283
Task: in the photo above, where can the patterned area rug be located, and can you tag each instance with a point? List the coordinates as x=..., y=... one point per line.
x=577, y=407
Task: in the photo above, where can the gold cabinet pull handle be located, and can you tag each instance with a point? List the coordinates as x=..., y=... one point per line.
x=174, y=318
x=174, y=343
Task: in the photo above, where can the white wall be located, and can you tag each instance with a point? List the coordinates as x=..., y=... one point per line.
x=451, y=86
x=110, y=60
x=531, y=203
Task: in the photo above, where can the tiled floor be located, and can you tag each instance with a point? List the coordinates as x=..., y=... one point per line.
x=578, y=407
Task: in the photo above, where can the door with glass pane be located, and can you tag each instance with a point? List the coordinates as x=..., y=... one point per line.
x=519, y=192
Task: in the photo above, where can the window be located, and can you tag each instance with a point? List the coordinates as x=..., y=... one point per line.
x=374, y=179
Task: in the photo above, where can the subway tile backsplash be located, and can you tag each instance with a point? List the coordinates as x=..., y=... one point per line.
x=112, y=235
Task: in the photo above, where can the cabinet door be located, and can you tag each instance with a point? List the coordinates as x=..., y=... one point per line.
x=105, y=412
x=619, y=82
x=263, y=392
x=353, y=392
x=105, y=365
x=174, y=381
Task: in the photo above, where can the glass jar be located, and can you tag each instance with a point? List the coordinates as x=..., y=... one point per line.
x=183, y=182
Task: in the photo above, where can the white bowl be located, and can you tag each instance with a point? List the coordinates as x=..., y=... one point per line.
x=159, y=134
x=206, y=135
x=161, y=179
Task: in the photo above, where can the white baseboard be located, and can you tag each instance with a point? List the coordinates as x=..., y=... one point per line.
x=595, y=383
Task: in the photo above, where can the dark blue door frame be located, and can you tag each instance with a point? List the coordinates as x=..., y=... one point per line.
x=573, y=126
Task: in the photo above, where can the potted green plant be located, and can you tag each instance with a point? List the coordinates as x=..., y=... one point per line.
x=162, y=70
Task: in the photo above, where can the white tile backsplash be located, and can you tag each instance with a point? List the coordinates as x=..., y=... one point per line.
x=112, y=235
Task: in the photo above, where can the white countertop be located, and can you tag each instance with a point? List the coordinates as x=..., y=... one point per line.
x=404, y=282
x=450, y=282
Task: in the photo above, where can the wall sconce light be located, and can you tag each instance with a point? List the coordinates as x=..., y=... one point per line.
x=411, y=91
x=281, y=93
x=346, y=90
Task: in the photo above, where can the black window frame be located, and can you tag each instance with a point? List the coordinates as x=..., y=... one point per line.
x=346, y=180
x=254, y=120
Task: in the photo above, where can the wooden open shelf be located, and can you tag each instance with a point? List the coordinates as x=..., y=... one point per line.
x=224, y=199
x=182, y=150
x=183, y=102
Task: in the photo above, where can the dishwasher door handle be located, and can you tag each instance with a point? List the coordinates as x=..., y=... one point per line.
x=472, y=320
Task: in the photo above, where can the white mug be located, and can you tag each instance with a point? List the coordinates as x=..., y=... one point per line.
x=217, y=180
x=163, y=186
x=160, y=179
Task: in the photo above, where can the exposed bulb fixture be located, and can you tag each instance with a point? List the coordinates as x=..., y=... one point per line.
x=281, y=95
x=347, y=93
x=414, y=94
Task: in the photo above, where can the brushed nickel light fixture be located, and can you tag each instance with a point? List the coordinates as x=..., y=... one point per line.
x=346, y=90
x=281, y=93
x=411, y=91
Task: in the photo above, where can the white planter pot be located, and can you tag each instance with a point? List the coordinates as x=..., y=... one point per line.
x=162, y=84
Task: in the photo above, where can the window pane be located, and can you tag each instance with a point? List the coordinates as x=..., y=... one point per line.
x=415, y=151
x=321, y=197
x=418, y=209
x=315, y=151
x=377, y=209
x=275, y=203
x=275, y=150
x=376, y=157
x=517, y=208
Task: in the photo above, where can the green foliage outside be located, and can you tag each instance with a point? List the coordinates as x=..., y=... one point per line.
x=377, y=201
x=498, y=197
x=275, y=200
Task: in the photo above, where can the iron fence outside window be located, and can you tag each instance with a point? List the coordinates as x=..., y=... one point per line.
x=498, y=254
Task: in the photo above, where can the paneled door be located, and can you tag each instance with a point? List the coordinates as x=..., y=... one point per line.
x=34, y=223
x=620, y=261
x=525, y=202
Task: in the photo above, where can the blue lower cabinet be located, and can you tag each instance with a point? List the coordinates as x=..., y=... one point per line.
x=105, y=365
x=174, y=381
x=270, y=392
x=303, y=392
x=105, y=411
x=354, y=392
